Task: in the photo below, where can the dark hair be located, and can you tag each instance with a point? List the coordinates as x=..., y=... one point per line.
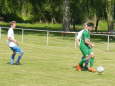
x=12, y=22
x=90, y=24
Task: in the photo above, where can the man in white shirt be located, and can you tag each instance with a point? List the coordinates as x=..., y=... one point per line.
x=13, y=44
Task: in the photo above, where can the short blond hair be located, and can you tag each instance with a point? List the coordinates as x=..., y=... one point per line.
x=12, y=22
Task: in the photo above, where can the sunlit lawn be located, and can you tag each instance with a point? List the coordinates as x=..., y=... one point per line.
x=53, y=65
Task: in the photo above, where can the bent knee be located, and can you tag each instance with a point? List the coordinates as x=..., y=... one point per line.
x=92, y=55
x=21, y=53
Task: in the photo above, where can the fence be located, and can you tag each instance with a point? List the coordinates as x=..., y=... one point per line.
x=106, y=34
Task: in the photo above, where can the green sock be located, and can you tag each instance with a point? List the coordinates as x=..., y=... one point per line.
x=82, y=61
x=91, y=61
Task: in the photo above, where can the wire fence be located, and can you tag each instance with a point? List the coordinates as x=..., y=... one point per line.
x=48, y=33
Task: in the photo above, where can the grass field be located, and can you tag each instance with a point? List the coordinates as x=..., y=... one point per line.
x=53, y=65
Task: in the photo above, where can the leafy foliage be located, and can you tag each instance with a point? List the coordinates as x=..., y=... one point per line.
x=52, y=10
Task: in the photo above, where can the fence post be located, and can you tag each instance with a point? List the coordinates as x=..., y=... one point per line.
x=75, y=40
x=0, y=33
x=47, y=39
x=108, y=37
x=22, y=35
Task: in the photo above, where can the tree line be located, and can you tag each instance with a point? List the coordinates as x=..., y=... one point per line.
x=68, y=12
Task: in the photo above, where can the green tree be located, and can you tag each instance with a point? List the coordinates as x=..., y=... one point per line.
x=99, y=10
x=110, y=14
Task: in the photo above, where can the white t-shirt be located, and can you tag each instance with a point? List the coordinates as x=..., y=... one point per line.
x=79, y=34
x=11, y=35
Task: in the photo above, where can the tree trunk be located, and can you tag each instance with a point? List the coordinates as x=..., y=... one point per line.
x=66, y=15
x=53, y=20
x=110, y=15
x=97, y=23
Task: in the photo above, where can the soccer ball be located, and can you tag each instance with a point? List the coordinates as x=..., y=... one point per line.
x=100, y=69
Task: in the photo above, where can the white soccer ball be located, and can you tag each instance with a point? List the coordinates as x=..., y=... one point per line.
x=100, y=69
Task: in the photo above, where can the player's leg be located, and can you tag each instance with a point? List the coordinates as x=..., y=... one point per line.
x=86, y=64
x=88, y=57
x=12, y=56
x=20, y=52
x=87, y=60
x=81, y=63
x=19, y=57
x=91, y=61
x=80, y=66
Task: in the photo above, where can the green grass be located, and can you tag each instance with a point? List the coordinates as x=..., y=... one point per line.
x=44, y=26
x=102, y=26
x=53, y=65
